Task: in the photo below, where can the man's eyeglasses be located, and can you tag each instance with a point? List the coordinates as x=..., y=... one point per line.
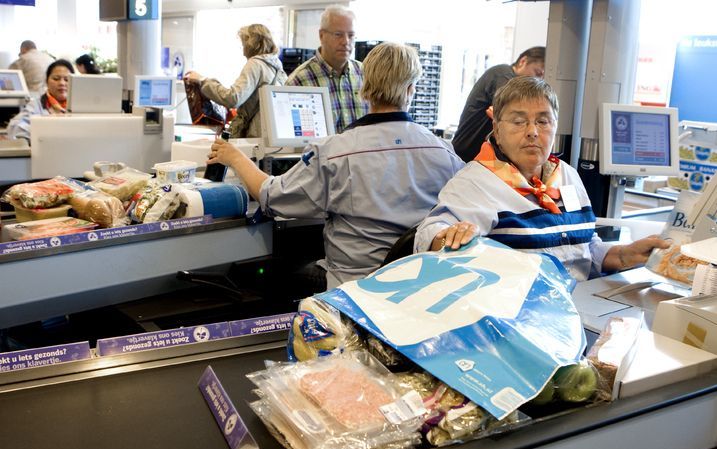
x=338, y=35
x=543, y=124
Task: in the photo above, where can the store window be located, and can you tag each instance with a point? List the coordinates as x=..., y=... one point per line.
x=217, y=51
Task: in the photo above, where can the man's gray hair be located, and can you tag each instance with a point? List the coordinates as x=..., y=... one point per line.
x=335, y=10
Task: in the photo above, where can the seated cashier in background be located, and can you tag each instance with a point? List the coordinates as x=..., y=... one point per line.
x=372, y=182
x=262, y=67
x=517, y=193
x=53, y=101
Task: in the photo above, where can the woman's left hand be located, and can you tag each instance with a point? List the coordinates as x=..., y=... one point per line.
x=634, y=254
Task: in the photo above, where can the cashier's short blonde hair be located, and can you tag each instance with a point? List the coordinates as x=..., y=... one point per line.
x=388, y=70
x=256, y=40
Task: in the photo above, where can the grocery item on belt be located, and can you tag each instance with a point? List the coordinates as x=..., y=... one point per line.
x=155, y=202
x=48, y=228
x=318, y=330
x=99, y=207
x=176, y=171
x=23, y=214
x=345, y=400
x=122, y=184
x=48, y=193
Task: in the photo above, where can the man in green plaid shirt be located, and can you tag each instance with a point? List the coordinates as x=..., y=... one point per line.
x=333, y=67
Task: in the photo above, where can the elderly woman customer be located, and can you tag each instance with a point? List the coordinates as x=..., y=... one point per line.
x=53, y=101
x=262, y=67
x=519, y=194
x=372, y=182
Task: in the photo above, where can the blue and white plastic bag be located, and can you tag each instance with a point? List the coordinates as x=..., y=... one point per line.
x=491, y=322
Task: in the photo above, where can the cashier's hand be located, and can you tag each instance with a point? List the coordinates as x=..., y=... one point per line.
x=193, y=77
x=454, y=236
x=622, y=257
x=224, y=153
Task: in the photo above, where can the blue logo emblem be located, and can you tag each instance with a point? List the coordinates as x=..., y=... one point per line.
x=702, y=153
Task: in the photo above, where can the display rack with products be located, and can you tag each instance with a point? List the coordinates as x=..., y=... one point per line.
x=424, y=108
x=291, y=58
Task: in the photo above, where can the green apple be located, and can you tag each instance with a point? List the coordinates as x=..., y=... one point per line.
x=576, y=383
x=545, y=395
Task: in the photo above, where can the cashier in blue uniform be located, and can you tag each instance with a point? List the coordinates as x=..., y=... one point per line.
x=519, y=194
x=372, y=182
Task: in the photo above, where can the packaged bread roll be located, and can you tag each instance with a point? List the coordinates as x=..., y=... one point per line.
x=122, y=184
x=100, y=208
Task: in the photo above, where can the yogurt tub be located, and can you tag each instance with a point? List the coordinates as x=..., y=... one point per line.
x=176, y=171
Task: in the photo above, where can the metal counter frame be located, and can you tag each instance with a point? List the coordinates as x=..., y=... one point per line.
x=151, y=399
x=51, y=282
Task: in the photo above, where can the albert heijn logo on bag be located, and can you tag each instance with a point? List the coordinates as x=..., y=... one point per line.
x=433, y=293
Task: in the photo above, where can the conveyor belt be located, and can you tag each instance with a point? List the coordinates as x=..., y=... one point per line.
x=156, y=404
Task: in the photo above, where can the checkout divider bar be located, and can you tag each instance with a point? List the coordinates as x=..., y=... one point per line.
x=241, y=336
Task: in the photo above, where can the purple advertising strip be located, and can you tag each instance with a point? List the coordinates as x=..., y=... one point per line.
x=262, y=325
x=225, y=414
x=102, y=234
x=162, y=339
x=49, y=355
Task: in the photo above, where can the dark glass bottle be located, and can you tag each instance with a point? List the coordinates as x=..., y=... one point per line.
x=216, y=172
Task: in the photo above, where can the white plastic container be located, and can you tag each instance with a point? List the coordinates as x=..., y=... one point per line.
x=176, y=171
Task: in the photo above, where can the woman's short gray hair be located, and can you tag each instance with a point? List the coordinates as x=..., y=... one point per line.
x=256, y=40
x=523, y=88
x=335, y=10
x=388, y=70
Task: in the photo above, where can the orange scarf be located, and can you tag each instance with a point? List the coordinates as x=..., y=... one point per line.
x=54, y=104
x=546, y=190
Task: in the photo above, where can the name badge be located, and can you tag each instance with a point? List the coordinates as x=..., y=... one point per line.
x=570, y=198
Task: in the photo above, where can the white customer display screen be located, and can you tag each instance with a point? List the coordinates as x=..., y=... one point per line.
x=640, y=138
x=155, y=92
x=11, y=83
x=299, y=114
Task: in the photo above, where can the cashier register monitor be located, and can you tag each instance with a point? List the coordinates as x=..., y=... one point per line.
x=154, y=91
x=12, y=84
x=638, y=140
x=294, y=116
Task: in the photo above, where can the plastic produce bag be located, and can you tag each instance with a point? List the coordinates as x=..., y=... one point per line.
x=493, y=323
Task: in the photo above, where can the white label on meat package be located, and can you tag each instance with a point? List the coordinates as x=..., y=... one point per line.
x=407, y=407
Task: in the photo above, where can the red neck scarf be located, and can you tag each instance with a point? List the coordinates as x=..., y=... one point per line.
x=53, y=103
x=545, y=190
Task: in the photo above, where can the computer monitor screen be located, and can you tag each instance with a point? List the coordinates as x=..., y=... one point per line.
x=638, y=140
x=154, y=91
x=12, y=84
x=293, y=116
x=95, y=94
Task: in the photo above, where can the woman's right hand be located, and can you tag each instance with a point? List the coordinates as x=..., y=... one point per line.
x=454, y=236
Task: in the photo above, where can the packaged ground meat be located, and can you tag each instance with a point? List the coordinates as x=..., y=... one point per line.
x=341, y=401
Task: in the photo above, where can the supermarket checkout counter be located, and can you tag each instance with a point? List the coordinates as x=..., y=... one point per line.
x=151, y=399
x=58, y=280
